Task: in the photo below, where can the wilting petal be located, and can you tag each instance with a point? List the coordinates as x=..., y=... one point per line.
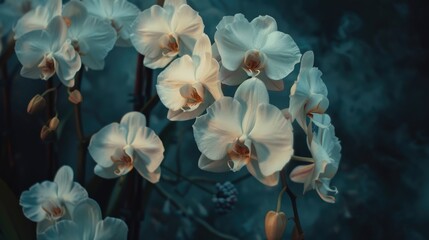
x=323, y=189
x=152, y=177
x=188, y=25
x=111, y=228
x=219, y=127
x=273, y=139
x=254, y=169
x=148, y=148
x=233, y=42
x=32, y=200
x=282, y=54
x=87, y=214
x=250, y=94
x=148, y=28
x=105, y=142
x=209, y=165
x=64, y=229
x=179, y=73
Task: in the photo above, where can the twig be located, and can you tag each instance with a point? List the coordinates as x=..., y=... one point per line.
x=7, y=111
x=205, y=189
x=292, y=198
x=50, y=111
x=83, y=142
x=198, y=220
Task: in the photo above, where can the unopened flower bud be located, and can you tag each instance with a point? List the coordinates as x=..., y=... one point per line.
x=275, y=225
x=296, y=235
x=36, y=104
x=47, y=134
x=75, y=96
x=53, y=123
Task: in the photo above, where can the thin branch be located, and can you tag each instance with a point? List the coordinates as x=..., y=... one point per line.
x=292, y=198
x=50, y=112
x=205, y=189
x=83, y=142
x=198, y=220
x=7, y=113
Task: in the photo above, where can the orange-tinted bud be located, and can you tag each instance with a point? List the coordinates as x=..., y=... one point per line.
x=275, y=225
x=36, y=104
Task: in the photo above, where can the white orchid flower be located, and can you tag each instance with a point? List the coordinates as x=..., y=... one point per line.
x=12, y=10
x=325, y=149
x=254, y=48
x=120, y=13
x=309, y=95
x=119, y=147
x=48, y=202
x=38, y=18
x=46, y=52
x=245, y=131
x=87, y=224
x=162, y=33
x=90, y=36
x=189, y=84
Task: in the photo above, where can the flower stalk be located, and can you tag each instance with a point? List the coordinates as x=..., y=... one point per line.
x=292, y=198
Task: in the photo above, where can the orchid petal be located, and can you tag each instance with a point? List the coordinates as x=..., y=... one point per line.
x=152, y=177
x=188, y=25
x=271, y=180
x=64, y=229
x=179, y=73
x=209, y=165
x=233, y=42
x=282, y=54
x=86, y=215
x=219, y=127
x=106, y=172
x=273, y=139
x=263, y=26
x=32, y=200
x=105, y=142
x=111, y=228
x=69, y=64
x=133, y=121
x=149, y=148
x=232, y=78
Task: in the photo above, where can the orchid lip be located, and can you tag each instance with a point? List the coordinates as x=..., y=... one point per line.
x=124, y=160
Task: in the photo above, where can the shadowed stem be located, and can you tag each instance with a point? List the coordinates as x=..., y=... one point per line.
x=50, y=113
x=188, y=180
x=7, y=109
x=83, y=142
x=292, y=198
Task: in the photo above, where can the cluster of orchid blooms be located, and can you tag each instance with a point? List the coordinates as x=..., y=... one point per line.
x=234, y=132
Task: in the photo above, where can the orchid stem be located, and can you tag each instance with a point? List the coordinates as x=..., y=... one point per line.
x=205, y=189
x=7, y=107
x=198, y=220
x=302, y=159
x=50, y=101
x=279, y=199
x=83, y=142
x=292, y=198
